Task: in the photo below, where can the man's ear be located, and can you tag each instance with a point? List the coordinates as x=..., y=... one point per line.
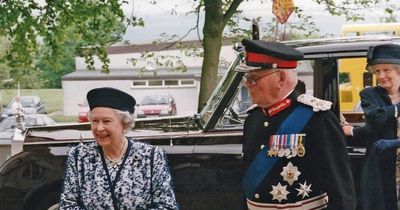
x=282, y=75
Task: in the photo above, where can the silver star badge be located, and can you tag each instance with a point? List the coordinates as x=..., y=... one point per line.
x=290, y=173
x=279, y=192
x=304, y=189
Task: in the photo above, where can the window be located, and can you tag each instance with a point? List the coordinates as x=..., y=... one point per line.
x=187, y=82
x=139, y=83
x=171, y=82
x=155, y=83
x=344, y=77
x=162, y=83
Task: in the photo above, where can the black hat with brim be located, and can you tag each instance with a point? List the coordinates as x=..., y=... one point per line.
x=111, y=98
x=269, y=55
x=383, y=54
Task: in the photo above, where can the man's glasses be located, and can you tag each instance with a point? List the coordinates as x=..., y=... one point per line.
x=253, y=80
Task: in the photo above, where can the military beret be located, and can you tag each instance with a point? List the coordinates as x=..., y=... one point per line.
x=265, y=54
x=383, y=54
x=111, y=98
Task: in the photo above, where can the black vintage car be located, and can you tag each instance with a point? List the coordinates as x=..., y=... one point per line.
x=204, y=150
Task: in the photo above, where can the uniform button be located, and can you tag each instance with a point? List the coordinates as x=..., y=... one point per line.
x=262, y=146
x=266, y=124
x=257, y=196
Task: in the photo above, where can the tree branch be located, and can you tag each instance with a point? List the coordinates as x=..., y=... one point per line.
x=231, y=10
x=190, y=30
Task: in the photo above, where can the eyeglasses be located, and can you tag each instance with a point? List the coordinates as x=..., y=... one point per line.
x=253, y=80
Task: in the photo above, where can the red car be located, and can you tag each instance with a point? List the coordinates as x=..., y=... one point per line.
x=83, y=112
x=156, y=106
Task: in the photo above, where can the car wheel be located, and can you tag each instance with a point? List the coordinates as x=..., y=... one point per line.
x=48, y=201
x=47, y=197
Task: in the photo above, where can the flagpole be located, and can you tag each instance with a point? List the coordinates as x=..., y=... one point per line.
x=277, y=30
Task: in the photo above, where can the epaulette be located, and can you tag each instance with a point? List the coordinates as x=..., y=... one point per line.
x=251, y=108
x=316, y=103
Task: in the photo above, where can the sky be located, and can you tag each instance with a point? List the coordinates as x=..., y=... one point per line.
x=158, y=18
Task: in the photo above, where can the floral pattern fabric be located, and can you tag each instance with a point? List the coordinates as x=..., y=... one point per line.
x=86, y=186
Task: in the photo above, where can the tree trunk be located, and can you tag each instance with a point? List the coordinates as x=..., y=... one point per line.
x=213, y=28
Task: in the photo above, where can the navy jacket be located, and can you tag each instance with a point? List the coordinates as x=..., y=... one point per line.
x=325, y=165
x=378, y=182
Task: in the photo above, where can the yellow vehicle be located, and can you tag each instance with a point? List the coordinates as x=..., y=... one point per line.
x=352, y=74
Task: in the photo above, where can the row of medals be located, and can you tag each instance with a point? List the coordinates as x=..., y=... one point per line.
x=287, y=145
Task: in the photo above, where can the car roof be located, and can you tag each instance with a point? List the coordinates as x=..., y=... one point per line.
x=37, y=97
x=340, y=47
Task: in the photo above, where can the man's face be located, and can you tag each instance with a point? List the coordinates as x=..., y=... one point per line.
x=263, y=86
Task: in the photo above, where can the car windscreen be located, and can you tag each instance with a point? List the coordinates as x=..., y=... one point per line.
x=154, y=100
x=8, y=124
x=27, y=102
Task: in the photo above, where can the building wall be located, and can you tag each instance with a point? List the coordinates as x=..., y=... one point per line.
x=121, y=61
x=186, y=97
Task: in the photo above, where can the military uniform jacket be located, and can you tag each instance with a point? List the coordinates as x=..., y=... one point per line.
x=325, y=167
x=86, y=186
x=379, y=174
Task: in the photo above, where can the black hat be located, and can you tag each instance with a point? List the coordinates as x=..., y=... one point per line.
x=383, y=54
x=264, y=54
x=111, y=98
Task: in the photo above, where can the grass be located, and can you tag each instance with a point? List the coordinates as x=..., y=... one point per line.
x=52, y=99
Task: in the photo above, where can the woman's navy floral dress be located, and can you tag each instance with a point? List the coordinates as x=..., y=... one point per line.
x=86, y=184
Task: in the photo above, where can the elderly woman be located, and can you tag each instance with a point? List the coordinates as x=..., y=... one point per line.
x=114, y=172
x=381, y=105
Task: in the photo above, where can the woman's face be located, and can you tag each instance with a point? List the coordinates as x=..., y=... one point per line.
x=388, y=76
x=106, y=127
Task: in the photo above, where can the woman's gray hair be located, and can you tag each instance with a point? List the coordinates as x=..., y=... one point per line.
x=397, y=67
x=126, y=118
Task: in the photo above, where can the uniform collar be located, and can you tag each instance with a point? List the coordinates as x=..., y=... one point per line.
x=281, y=105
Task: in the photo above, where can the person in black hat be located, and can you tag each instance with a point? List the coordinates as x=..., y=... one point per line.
x=294, y=150
x=381, y=105
x=114, y=172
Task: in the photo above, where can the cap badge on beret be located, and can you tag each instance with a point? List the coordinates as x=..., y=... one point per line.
x=111, y=98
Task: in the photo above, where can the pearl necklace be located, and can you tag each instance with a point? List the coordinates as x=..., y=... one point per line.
x=394, y=98
x=120, y=156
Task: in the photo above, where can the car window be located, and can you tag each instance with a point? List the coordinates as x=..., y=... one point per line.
x=155, y=100
x=235, y=114
x=27, y=102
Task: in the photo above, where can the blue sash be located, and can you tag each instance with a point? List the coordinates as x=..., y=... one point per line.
x=261, y=165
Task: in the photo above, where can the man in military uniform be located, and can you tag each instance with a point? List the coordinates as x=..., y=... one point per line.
x=295, y=155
